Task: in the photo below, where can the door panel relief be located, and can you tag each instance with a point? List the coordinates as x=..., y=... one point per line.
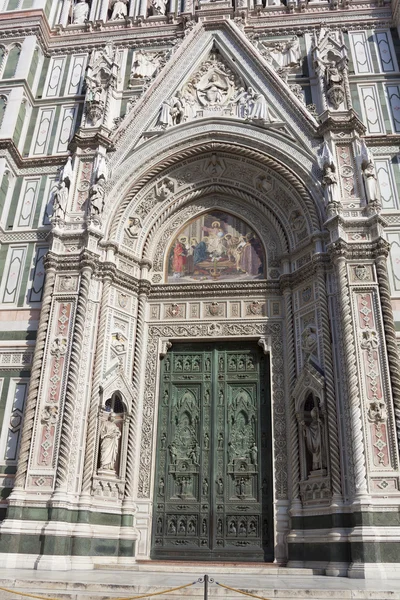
x=213, y=482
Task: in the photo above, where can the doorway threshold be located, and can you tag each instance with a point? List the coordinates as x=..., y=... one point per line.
x=201, y=567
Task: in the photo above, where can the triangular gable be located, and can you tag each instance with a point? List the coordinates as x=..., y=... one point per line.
x=240, y=57
x=309, y=380
x=117, y=381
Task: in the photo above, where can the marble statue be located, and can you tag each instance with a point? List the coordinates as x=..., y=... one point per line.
x=259, y=111
x=109, y=442
x=119, y=10
x=80, y=12
x=371, y=183
x=329, y=181
x=96, y=197
x=159, y=7
x=313, y=437
x=60, y=200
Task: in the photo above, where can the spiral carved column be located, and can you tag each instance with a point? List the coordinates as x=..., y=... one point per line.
x=330, y=386
x=36, y=371
x=136, y=376
x=90, y=457
x=352, y=378
x=390, y=335
x=72, y=383
x=291, y=370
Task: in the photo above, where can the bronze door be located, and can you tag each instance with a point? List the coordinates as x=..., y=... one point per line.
x=213, y=484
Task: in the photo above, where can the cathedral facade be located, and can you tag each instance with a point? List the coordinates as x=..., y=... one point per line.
x=200, y=291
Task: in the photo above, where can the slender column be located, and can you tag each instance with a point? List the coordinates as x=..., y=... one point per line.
x=352, y=378
x=390, y=335
x=330, y=386
x=291, y=370
x=103, y=10
x=94, y=401
x=68, y=416
x=36, y=371
x=66, y=7
x=136, y=380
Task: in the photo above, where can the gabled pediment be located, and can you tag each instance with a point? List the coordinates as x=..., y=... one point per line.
x=310, y=380
x=215, y=72
x=117, y=381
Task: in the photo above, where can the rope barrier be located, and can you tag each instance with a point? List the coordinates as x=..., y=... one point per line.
x=26, y=595
x=240, y=591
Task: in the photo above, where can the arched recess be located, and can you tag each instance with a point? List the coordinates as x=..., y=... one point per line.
x=247, y=179
x=292, y=166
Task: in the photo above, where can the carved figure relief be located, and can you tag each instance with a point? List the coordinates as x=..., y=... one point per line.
x=214, y=89
x=134, y=226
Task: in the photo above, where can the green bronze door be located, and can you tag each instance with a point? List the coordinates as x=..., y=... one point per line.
x=213, y=484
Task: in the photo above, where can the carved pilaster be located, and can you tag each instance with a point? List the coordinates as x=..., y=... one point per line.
x=334, y=453
x=291, y=369
x=94, y=401
x=72, y=383
x=353, y=395
x=136, y=380
x=390, y=335
x=37, y=366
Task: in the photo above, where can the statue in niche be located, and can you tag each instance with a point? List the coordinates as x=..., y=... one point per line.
x=314, y=440
x=205, y=487
x=161, y=487
x=330, y=182
x=60, y=200
x=109, y=443
x=220, y=486
x=371, y=186
x=80, y=12
x=159, y=7
x=134, y=227
x=206, y=442
x=334, y=83
x=119, y=9
x=96, y=197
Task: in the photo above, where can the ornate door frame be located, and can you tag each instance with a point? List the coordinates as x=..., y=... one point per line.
x=269, y=334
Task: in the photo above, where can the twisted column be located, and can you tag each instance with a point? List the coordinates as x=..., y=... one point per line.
x=68, y=417
x=90, y=457
x=36, y=371
x=352, y=377
x=291, y=370
x=136, y=376
x=330, y=385
x=390, y=335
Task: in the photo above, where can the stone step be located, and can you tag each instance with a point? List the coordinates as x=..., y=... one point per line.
x=75, y=590
x=212, y=567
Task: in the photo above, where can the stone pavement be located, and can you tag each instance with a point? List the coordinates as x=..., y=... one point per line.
x=102, y=584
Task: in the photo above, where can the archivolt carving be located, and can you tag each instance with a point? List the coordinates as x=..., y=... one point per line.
x=271, y=330
x=290, y=182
